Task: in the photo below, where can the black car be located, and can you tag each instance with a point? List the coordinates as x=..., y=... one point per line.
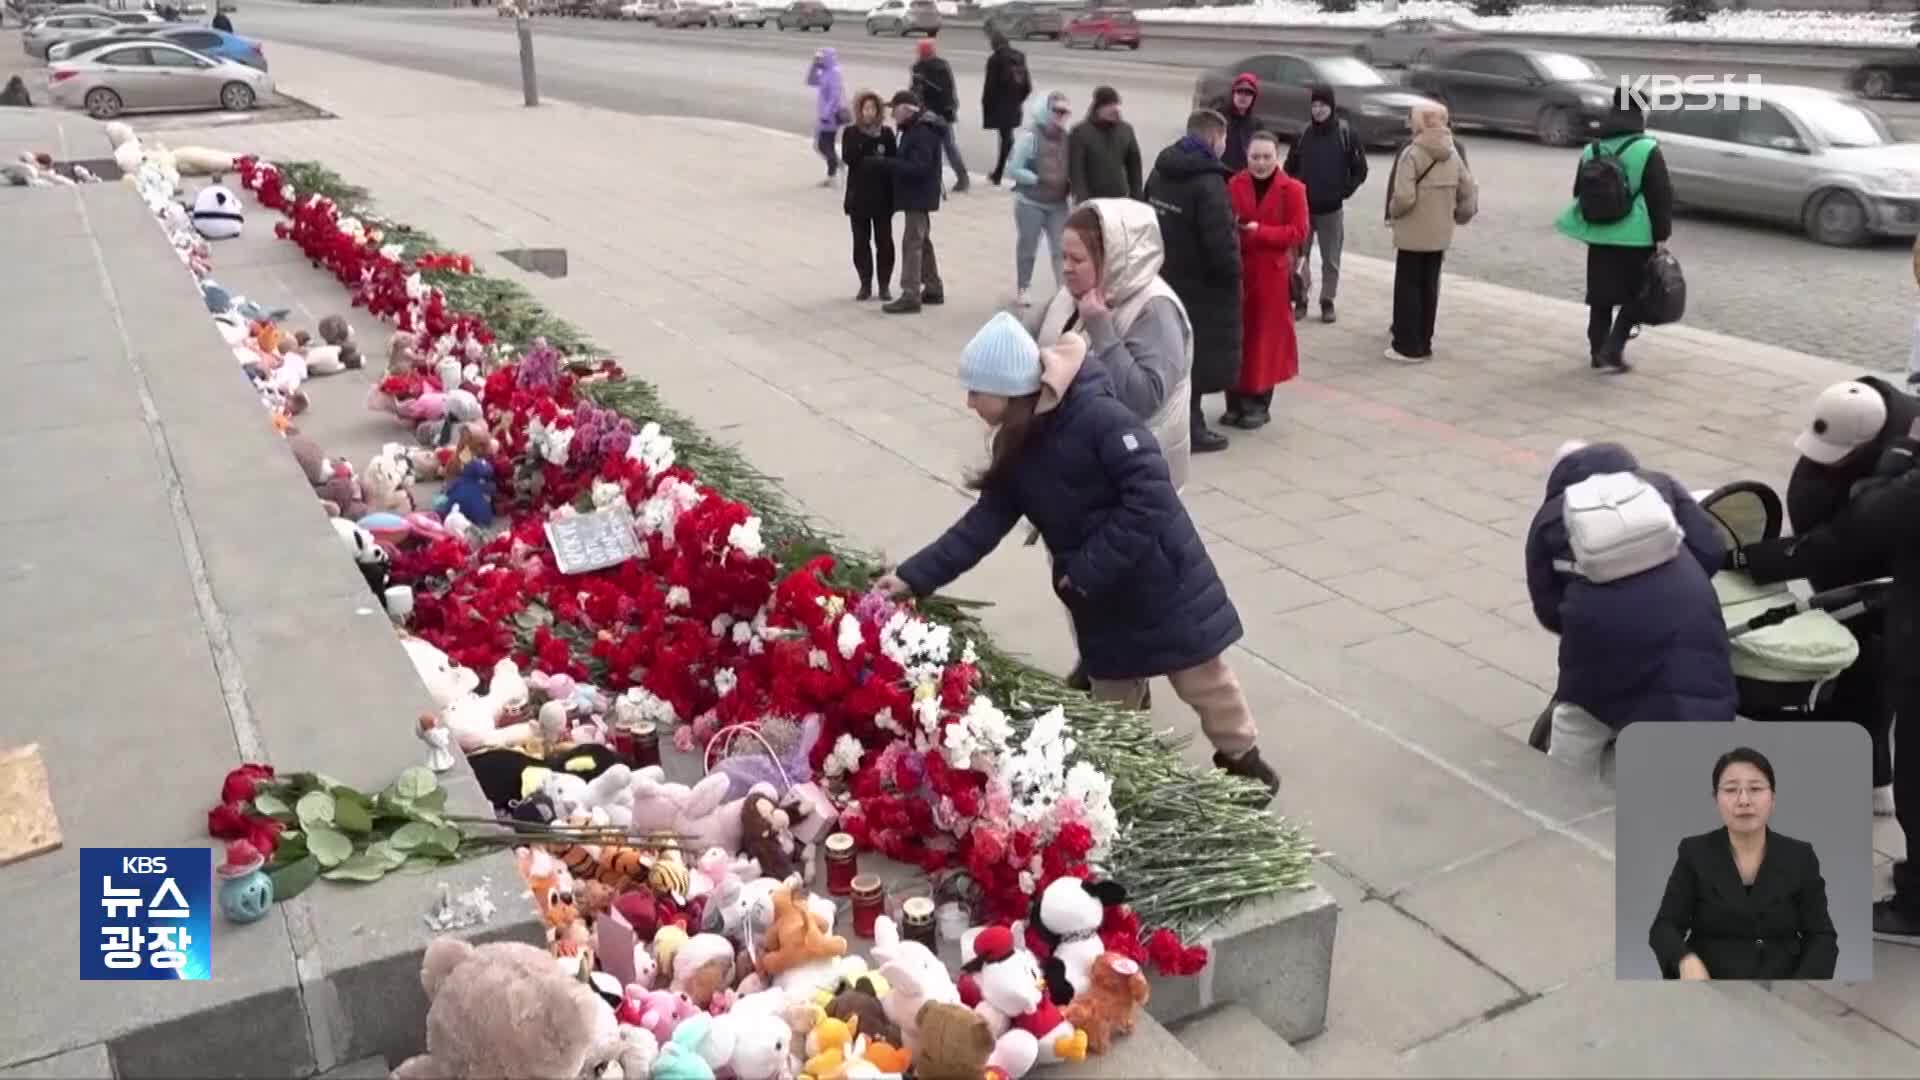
x=1887, y=74
x=1375, y=109
x=1555, y=96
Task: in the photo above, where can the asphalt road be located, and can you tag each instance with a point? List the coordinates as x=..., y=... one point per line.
x=1749, y=280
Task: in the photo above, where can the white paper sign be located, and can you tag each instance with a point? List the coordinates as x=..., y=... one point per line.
x=584, y=543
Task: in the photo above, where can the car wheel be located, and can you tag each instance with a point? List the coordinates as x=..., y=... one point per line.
x=1555, y=126
x=1363, y=54
x=1876, y=83
x=236, y=97
x=1838, y=219
x=103, y=104
x=1100, y=42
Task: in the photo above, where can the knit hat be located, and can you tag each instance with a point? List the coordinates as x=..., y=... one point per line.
x=1104, y=96
x=926, y=48
x=1321, y=93
x=1846, y=416
x=905, y=97
x=1001, y=359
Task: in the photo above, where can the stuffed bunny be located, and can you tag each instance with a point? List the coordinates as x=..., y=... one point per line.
x=680, y=1058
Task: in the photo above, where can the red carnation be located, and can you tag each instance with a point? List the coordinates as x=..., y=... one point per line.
x=264, y=834
x=240, y=784
x=1170, y=956
x=228, y=821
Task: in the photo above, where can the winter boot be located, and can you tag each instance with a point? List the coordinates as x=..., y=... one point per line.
x=1249, y=766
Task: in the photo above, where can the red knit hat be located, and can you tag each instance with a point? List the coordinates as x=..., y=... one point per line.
x=926, y=48
x=993, y=945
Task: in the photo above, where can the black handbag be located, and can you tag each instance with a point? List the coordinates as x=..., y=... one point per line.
x=1663, y=298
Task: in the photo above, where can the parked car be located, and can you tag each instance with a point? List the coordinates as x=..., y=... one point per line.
x=680, y=14
x=1895, y=73
x=1104, y=28
x=640, y=10
x=35, y=10
x=1411, y=42
x=1020, y=19
x=1556, y=97
x=136, y=18
x=1376, y=110
x=579, y=9
x=903, y=17
x=1814, y=159
x=737, y=13
x=151, y=75
x=805, y=15
x=38, y=37
x=200, y=39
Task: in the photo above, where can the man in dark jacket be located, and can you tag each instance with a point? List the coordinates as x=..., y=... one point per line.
x=1237, y=107
x=1003, y=97
x=1879, y=528
x=1650, y=647
x=1332, y=164
x=221, y=22
x=1188, y=191
x=1103, y=157
x=916, y=195
x=933, y=81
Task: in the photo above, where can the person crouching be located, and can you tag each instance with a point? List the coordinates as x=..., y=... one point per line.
x=1127, y=561
x=1641, y=635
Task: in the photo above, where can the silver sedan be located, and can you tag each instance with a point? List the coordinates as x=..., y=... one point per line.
x=38, y=37
x=154, y=75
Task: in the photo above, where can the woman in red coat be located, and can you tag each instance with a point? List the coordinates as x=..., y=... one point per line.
x=1271, y=208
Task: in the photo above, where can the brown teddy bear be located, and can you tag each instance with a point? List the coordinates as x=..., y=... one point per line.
x=764, y=837
x=505, y=1009
x=796, y=936
x=955, y=1043
x=1105, y=1008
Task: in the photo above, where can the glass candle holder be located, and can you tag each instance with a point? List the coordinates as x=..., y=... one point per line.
x=869, y=903
x=916, y=922
x=953, y=918
x=644, y=744
x=843, y=864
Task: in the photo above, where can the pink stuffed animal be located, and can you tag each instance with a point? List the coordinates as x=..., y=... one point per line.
x=658, y=1011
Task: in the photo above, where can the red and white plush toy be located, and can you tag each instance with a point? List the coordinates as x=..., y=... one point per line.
x=1028, y=1028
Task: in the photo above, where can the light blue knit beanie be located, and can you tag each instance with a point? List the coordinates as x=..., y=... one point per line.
x=1001, y=359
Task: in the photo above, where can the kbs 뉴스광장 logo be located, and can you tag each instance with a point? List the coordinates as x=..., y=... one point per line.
x=146, y=913
x=1690, y=93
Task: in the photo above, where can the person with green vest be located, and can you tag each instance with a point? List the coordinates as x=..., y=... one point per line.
x=1618, y=248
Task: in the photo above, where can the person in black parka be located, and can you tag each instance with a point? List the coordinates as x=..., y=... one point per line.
x=1082, y=467
x=916, y=196
x=933, y=82
x=1003, y=97
x=865, y=145
x=1188, y=191
x=1651, y=647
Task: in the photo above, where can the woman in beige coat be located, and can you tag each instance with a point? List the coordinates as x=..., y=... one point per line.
x=1430, y=190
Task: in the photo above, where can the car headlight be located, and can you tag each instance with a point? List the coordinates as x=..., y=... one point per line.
x=1596, y=101
x=1374, y=108
x=1899, y=182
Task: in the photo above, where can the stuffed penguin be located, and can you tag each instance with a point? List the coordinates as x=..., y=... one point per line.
x=217, y=214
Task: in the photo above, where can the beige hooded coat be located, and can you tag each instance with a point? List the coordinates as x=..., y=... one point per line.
x=1431, y=188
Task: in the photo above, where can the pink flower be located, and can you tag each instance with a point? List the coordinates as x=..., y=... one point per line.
x=683, y=739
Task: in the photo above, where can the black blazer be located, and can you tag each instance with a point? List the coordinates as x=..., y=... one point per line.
x=1779, y=929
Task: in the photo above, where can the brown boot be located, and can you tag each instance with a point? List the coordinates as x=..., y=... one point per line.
x=1249, y=766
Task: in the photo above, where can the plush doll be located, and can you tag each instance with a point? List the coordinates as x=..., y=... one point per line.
x=611, y=792
x=445, y=681
x=476, y=718
x=701, y=815
x=829, y=1045
x=552, y=889
x=341, y=491
x=915, y=977
x=860, y=1001
x=702, y=967
x=367, y=554
x=402, y=359
x=200, y=161
x=764, y=835
x=456, y=409
x=955, y=1043
x=680, y=1059
x=389, y=483
x=504, y=1009
x=1105, y=1008
x=1028, y=1027
x=798, y=936
x=472, y=494
x=658, y=1012
x=1063, y=930
x=217, y=213
x=311, y=459
x=749, y=1043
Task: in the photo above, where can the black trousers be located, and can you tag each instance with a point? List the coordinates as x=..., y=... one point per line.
x=1609, y=327
x=1006, y=149
x=1906, y=787
x=1416, y=300
x=1249, y=404
x=873, y=239
x=823, y=145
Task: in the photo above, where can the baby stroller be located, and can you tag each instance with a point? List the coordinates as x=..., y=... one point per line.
x=1787, y=650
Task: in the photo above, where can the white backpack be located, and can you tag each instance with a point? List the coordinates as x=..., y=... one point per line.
x=1618, y=525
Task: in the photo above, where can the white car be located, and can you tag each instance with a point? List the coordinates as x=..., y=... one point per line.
x=145, y=76
x=641, y=10
x=736, y=13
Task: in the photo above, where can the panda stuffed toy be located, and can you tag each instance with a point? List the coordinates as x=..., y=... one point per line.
x=217, y=214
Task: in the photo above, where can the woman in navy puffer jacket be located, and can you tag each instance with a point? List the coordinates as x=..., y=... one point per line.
x=1075, y=461
x=1648, y=647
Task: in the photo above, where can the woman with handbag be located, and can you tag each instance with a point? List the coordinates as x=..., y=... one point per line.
x=830, y=109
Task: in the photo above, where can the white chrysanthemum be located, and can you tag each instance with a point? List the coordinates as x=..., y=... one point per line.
x=1027, y=883
x=679, y=597
x=638, y=704
x=817, y=658
x=845, y=757
x=851, y=636
x=652, y=448
x=607, y=493
x=745, y=538
x=885, y=722
x=724, y=681
x=393, y=251
x=742, y=633
x=661, y=513
x=722, y=623
x=917, y=645
x=416, y=286
x=968, y=655
x=555, y=442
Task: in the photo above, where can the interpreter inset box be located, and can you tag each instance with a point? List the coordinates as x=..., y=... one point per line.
x=1744, y=851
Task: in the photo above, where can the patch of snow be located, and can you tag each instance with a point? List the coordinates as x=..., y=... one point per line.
x=1625, y=20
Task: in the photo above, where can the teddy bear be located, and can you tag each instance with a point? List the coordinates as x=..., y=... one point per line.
x=340, y=492
x=750, y=1043
x=457, y=410
x=1105, y=1008
x=1063, y=930
x=471, y=493
x=445, y=681
x=955, y=1043
x=1028, y=1027
x=389, y=483
x=368, y=555
x=859, y=1001
x=658, y=1012
x=504, y=1009
x=702, y=967
x=798, y=936
x=764, y=835
x=700, y=816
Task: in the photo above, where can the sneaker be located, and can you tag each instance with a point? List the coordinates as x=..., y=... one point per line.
x=1077, y=678
x=961, y=187
x=1207, y=441
x=1300, y=312
x=866, y=292
x=906, y=305
x=1326, y=311
x=1895, y=925
x=830, y=181
x=933, y=299
x=1405, y=358
x=1613, y=363
x=885, y=293
x=1255, y=420
x=1020, y=298
x=1883, y=801
x=1233, y=417
x=1249, y=766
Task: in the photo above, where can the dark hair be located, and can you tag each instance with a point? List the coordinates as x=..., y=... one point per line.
x=1263, y=135
x=1084, y=222
x=1008, y=438
x=1743, y=755
x=996, y=39
x=1204, y=122
x=860, y=103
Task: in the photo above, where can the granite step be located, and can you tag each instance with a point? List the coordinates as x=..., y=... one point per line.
x=1151, y=1051
x=1234, y=1043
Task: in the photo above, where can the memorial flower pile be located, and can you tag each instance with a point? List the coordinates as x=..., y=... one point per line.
x=945, y=753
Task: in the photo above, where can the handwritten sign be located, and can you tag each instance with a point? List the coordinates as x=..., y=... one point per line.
x=584, y=543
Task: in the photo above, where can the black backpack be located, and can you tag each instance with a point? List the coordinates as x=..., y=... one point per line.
x=1601, y=186
x=1663, y=297
x=1017, y=72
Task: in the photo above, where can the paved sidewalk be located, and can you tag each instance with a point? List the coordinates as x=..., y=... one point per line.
x=1371, y=538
